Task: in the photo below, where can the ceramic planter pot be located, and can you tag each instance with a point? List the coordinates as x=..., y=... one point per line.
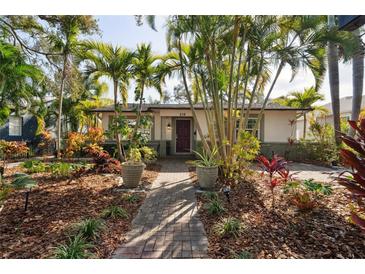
x=207, y=176
x=132, y=174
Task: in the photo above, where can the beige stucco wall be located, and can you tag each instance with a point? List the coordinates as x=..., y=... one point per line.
x=276, y=126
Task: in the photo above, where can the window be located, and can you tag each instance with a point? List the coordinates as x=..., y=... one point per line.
x=15, y=126
x=146, y=132
x=251, y=123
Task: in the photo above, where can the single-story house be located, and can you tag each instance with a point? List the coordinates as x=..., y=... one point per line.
x=174, y=133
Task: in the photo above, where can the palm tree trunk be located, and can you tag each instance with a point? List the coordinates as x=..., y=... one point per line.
x=117, y=139
x=334, y=81
x=357, y=82
x=60, y=101
x=139, y=112
x=305, y=125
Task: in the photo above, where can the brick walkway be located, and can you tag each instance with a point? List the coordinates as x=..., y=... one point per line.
x=167, y=225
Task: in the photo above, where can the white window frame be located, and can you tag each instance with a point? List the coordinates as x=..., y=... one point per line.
x=15, y=126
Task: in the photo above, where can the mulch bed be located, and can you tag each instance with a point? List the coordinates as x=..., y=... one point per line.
x=55, y=205
x=284, y=232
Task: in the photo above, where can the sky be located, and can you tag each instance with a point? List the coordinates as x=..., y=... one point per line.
x=123, y=31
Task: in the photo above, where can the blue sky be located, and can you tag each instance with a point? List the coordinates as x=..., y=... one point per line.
x=122, y=30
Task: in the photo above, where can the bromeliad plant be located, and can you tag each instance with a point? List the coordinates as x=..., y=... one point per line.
x=277, y=171
x=354, y=157
x=207, y=159
x=306, y=195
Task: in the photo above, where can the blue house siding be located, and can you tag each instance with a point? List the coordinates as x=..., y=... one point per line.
x=29, y=129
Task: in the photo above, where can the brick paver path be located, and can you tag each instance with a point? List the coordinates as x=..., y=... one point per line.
x=167, y=225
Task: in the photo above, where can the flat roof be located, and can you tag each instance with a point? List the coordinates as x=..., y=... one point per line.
x=149, y=107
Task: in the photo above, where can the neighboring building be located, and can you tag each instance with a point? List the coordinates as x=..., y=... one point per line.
x=174, y=133
x=19, y=128
x=345, y=113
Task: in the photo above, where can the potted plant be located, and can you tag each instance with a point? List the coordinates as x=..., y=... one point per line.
x=207, y=168
x=132, y=168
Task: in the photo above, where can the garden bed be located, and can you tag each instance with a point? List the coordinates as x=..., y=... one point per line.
x=56, y=205
x=283, y=232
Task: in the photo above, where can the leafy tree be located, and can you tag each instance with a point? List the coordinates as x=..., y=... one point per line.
x=103, y=59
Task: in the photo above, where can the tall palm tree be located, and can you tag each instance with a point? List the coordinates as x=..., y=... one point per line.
x=332, y=56
x=115, y=62
x=357, y=79
x=145, y=71
x=304, y=100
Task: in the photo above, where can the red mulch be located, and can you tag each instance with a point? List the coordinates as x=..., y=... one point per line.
x=284, y=232
x=55, y=205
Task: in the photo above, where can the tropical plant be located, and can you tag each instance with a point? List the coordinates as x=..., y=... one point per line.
x=303, y=100
x=115, y=212
x=103, y=162
x=89, y=229
x=228, y=227
x=10, y=149
x=24, y=181
x=114, y=62
x=148, y=154
x=245, y=150
x=132, y=198
x=34, y=166
x=75, y=248
x=275, y=166
x=215, y=207
x=354, y=181
x=211, y=196
x=79, y=142
x=306, y=195
x=207, y=159
x=60, y=169
x=133, y=156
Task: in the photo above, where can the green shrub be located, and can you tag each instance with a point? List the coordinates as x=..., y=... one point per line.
x=4, y=192
x=61, y=169
x=75, y=248
x=228, y=226
x=132, y=198
x=210, y=195
x=89, y=228
x=215, y=207
x=114, y=212
x=34, y=166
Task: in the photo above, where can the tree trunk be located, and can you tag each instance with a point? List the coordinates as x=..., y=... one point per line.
x=334, y=82
x=357, y=82
x=60, y=101
x=117, y=139
x=304, y=125
x=138, y=118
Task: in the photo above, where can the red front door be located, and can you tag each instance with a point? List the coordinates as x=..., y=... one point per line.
x=183, y=136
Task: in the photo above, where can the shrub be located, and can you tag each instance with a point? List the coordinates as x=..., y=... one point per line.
x=132, y=198
x=45, y=141
x=60, y=169
x=228, y=226
x=306, y=195
x=148, y=154
x=209, y=195
x=354, y=180
x=104, y=163
x=89, y=229
x=114, y=212
x=75, y=248
x=4, y=192
x=34, y=166
x=77, y=142
x=244, y=151
x=277, y=166
x=215, y=207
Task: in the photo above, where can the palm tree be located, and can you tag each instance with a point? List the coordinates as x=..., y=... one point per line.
x=357, y=79
x=19, y=81
x=64, y=40
x=115, y=62
x=303, y=100
x=145, y=71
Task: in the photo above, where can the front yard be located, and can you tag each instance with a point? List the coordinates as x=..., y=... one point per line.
x=249, y=227
x=58, y=204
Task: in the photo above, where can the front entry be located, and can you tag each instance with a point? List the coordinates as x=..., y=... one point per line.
x=183, y=136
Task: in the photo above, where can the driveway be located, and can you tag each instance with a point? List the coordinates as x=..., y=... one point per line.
x=318, y=173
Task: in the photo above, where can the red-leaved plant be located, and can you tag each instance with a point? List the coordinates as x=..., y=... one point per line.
x=277, y=166
x=354, y=181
